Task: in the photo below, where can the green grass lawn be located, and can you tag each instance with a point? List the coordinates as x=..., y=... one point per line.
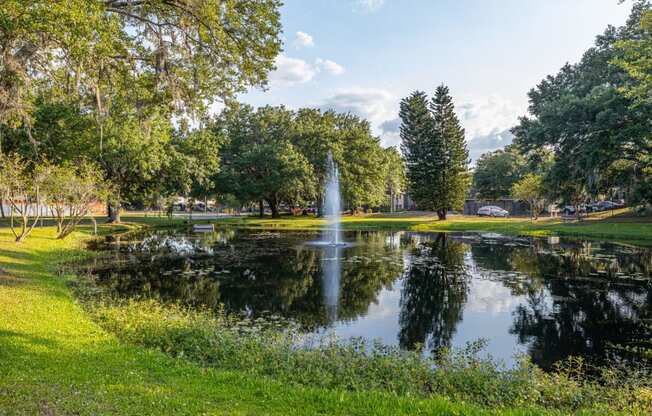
x=615, y=226
x=54, y=360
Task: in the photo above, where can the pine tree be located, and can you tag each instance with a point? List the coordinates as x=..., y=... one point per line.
x=416, y=134
x=435, y=152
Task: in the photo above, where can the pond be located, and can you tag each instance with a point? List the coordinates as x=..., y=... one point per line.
x=548, y=298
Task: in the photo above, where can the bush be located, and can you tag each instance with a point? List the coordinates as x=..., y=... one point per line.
x=275, y=348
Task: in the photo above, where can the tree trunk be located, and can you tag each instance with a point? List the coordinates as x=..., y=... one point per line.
x=2, y=208
x=441, y=214
x=275, y=213
x=113, y=213
x=273, y=205
x=261, y=208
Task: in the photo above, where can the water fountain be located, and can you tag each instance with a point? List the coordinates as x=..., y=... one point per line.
x=332, y=239
x=332, y=203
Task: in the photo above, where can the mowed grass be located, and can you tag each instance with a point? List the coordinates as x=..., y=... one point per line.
x=54, y=360
x=617, y=225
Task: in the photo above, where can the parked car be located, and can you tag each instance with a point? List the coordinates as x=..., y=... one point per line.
x=571, y=210
x=492, y=211
x=606, y=205
x=593, y=207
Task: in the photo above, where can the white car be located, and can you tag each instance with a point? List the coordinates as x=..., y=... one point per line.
x=492, y=211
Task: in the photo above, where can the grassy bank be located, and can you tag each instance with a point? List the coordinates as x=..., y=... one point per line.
x=55, y=359
x=619, y=225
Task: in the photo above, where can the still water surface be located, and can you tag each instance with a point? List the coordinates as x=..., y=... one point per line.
x=547, y=298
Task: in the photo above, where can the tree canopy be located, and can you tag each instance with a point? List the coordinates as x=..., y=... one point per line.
x=276, y=155
x=496, y=172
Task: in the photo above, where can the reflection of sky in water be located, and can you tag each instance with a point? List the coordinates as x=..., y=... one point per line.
x=487, y=314
x=380, y=321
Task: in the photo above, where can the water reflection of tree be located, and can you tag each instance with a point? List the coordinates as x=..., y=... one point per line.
x=435, y=289
x=376, y=268
x=167, y=279
x=573, y=302
x=259, y=274
x=583, y=318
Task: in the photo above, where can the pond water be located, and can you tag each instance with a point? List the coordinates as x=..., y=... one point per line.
x=548, y=298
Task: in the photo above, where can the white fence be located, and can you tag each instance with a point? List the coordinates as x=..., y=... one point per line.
x=32, y=209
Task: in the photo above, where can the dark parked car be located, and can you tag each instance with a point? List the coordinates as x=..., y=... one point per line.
x=571, y=210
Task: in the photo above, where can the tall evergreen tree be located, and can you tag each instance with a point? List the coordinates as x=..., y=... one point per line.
x=435, y=152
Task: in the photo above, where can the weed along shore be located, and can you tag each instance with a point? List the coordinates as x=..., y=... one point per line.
x=68, y=348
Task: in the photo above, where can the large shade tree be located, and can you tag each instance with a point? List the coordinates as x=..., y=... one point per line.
x=495, y=173
x=583, y=114
x=131, y=63
x=259, y=162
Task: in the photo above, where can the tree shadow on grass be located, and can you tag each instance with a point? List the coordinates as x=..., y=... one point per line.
x=27, y=338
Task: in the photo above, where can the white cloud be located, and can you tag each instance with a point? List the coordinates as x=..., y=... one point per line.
x=484, y=116
x=375, y=105
x=488, y=143
x=329, y=66
x=390, y=131
x=367, y=6
x=302, y=39
x=290, y=71
x=487, y=122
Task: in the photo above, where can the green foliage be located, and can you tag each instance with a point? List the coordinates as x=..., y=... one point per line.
x=636, y=60
x=259, y=162
x=395, y=180
x=264, y=348
x=183, y=53
x=496, y=172
x=530, y=188
x=279, y=156
x=134, y=154
x=435, y=151
x=588, y=115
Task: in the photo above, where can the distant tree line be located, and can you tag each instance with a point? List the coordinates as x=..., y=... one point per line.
x=277, y=156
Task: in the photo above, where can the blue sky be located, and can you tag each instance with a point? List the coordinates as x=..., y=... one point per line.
x=363, y=56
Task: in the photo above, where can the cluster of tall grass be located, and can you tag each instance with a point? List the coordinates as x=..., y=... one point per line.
x=277, y=349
